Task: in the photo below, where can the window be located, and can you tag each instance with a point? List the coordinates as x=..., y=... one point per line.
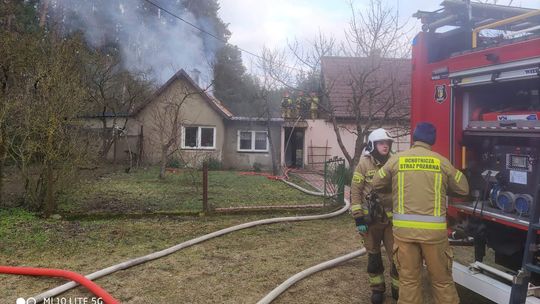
x=198, y=137
x=252, y=141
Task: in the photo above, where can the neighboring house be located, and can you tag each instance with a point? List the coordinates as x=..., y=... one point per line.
x=309, y=142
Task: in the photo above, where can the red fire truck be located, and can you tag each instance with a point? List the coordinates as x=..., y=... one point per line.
x=476, y=77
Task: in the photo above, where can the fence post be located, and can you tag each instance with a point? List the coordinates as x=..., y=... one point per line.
x=206, y=210
x=341, y=182
x=325, y=177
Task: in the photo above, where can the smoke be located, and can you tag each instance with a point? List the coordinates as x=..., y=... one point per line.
x=148, y=38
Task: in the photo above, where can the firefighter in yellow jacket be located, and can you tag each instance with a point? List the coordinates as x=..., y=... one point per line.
x=373, y=213
x=420, y=179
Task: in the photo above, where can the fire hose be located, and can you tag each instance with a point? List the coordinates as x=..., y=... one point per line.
x=70, y=275
x=156, y=255
x=307, y=272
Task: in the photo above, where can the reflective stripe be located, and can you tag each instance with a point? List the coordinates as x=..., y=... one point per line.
x=437, y=189
x=355, y=208
x=458, y=176
x=401, y=177
x=395, y=283
x=389, y=214
x=365, y=211
x=357, y=177
x=382, y=174
x=376, y=280
x=420, y=218
x=419, y=225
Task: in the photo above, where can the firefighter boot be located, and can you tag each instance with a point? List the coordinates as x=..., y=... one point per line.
x=377, y=297
x=375, y=271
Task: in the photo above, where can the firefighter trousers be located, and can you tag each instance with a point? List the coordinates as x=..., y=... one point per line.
x=377, y=233
x=408, y=257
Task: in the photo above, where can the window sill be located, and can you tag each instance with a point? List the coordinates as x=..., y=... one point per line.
x=253, y=151
x=199, y=149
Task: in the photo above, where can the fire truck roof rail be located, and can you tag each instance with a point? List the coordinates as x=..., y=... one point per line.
x=469, y=15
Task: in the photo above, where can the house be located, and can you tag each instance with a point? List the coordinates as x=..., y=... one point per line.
x=182, y=120
x=346, y=80
x=193, y=125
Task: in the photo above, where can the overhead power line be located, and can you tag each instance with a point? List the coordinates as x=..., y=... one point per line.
x=210, y=34
x=200, y=29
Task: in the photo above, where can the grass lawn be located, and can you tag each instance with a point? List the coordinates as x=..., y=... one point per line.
x=240, y=267
x=142, y=192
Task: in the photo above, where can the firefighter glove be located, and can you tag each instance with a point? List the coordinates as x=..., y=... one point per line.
x=361, y=225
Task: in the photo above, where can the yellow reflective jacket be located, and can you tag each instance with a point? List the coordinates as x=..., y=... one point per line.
x=420, y=180
x=361, y=186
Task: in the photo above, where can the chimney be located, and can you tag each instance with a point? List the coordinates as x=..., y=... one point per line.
x=196, y=76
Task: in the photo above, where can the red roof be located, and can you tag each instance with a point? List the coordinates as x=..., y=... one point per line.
x=377, y=87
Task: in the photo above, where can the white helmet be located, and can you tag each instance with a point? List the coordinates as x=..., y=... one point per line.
x=375, y=136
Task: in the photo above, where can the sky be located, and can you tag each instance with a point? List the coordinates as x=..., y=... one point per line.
x=271, y=23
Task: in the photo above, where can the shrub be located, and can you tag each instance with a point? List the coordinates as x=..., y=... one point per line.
x=175, y=163
x=257, y=167
x=214, y=164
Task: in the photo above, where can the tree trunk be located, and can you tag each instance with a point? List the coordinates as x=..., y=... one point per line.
x=50, y=204
x=44, y=10
x=340, y=141
x=162, y=162
x=275, y=168
x=3, y=152
x=2, y=156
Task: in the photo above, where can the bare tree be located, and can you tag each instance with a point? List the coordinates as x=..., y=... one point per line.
x=114, y=93
x=168, y=117
x=378, y=79
x=272, y=66
x=40, y=131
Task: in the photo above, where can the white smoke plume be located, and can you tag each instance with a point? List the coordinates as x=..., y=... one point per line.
x=147, y=37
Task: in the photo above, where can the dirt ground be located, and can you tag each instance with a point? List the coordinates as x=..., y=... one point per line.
x=237, y=268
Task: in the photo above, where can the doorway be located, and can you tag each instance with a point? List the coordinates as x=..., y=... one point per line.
x=294, y=147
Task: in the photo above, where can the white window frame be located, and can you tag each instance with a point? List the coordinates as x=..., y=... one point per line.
x=199, y=134
x=252, y=141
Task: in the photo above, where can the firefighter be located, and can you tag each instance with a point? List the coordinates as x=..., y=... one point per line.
x=285, y=105
x=300, y=104
x=420, y=179
x=373, y=213
x=314, y=107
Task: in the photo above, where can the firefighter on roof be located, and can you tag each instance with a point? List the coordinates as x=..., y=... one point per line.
x=286, y=105
x=420, y=179
x=373, y=213
x=314, y=106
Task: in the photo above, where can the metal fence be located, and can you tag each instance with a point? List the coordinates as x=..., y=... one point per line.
x=335, y=175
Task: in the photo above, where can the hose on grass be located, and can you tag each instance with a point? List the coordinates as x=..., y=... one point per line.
x=271, y=296
x=303, y=189
x=156, y=255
